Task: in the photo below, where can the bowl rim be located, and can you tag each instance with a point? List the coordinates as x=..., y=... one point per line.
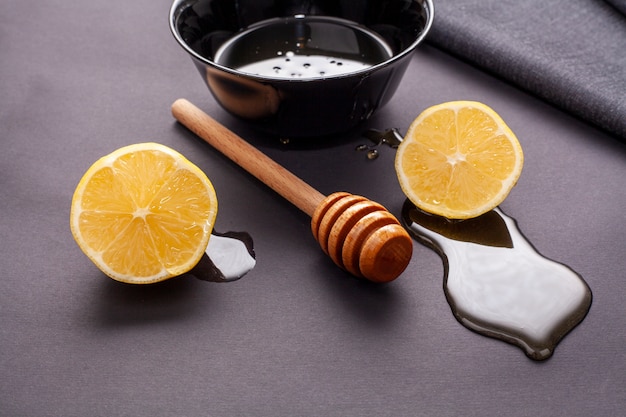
x=179, y=5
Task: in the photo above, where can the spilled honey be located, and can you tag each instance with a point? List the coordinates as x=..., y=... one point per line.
x=390, y=137
x=229, y=256
x=498, y=285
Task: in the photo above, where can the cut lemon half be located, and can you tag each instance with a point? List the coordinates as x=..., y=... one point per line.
x=458, y=160
x=143, y=213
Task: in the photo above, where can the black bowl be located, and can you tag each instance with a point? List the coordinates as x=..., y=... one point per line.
x=373, y=39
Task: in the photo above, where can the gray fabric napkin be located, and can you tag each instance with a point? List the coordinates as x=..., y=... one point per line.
x=619, y=5
x=571, y=53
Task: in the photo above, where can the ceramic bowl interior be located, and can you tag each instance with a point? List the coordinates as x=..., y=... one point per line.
x=301, y=68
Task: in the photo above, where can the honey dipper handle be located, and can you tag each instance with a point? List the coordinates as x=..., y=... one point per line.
x=292, y=188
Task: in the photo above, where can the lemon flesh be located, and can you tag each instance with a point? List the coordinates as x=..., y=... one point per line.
x=458, y=160
x=143, y=214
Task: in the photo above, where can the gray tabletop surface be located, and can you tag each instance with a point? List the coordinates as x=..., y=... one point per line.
x=296, y=336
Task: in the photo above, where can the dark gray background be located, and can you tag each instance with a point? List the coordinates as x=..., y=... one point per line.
x=295, y=337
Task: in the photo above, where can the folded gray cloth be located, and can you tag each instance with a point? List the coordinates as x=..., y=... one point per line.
x=619, y=5
x=571, y=53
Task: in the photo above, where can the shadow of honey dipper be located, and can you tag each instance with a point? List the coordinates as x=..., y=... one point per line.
x=359, y=235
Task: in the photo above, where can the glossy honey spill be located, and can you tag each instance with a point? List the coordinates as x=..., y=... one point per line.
x=498, y=285
x=228, y=257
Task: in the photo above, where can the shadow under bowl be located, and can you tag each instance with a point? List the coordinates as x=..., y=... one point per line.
x=301, y=68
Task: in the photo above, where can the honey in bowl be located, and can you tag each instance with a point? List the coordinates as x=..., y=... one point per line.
x=303, y=47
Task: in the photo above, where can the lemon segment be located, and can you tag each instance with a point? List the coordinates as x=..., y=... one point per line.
x=143, y=214
x=458, y=160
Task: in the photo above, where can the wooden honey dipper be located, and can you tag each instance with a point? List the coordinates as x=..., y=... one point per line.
x=360, y=236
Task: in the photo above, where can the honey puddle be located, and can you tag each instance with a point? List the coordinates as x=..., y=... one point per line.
x=498, y=285
x=229, y=256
